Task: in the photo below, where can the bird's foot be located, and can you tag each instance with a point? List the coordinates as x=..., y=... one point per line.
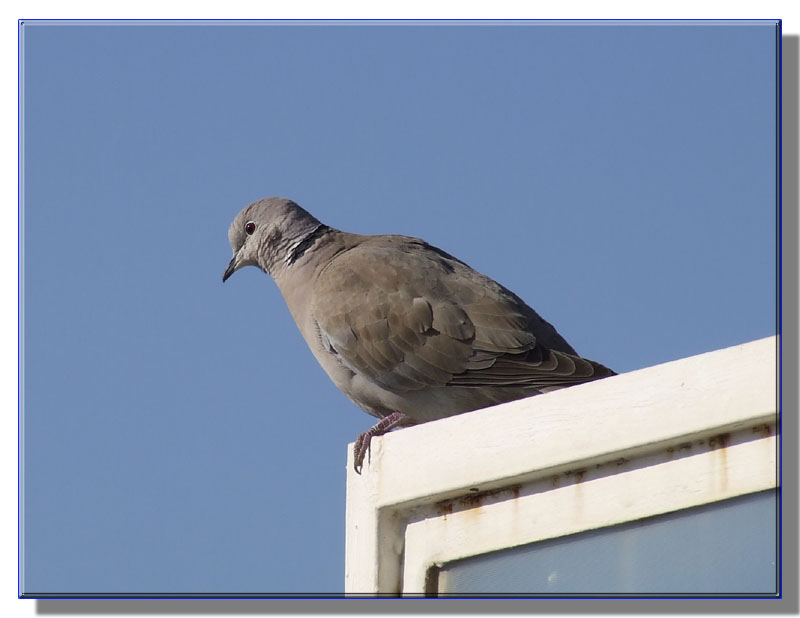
x=385, y=425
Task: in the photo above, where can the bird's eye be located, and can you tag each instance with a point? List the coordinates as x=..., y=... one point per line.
x=249, y=228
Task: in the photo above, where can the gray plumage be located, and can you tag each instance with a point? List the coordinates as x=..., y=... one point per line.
x=408, y=332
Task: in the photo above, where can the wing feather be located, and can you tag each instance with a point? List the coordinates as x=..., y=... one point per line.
x=409, y=316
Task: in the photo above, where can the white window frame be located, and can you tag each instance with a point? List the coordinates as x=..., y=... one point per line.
x=682, y=434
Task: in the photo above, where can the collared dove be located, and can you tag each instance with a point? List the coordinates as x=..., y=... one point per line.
x=408, y=332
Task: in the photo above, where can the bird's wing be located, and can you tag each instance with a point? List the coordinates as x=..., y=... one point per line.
x=409, y=316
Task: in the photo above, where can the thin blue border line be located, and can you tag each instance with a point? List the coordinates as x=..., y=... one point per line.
x=385, y=595
x=779, y=314
x=410, y=21
x=20, y=280
x=779, y=351
x=779, y=309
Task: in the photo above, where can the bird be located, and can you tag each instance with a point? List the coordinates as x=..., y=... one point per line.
x=408, y=332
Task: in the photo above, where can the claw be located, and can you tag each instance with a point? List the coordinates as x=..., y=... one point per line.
x=385, y=425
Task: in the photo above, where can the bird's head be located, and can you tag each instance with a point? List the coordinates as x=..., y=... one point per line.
x=266, y=233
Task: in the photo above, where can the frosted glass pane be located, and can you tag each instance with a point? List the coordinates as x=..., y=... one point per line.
x=724, y=547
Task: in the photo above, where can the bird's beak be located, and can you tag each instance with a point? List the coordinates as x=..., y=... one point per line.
x=232, y=266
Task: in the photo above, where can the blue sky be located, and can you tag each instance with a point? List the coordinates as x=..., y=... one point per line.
x=178, y=435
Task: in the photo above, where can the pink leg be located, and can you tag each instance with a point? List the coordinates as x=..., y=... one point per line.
x=385, y=425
